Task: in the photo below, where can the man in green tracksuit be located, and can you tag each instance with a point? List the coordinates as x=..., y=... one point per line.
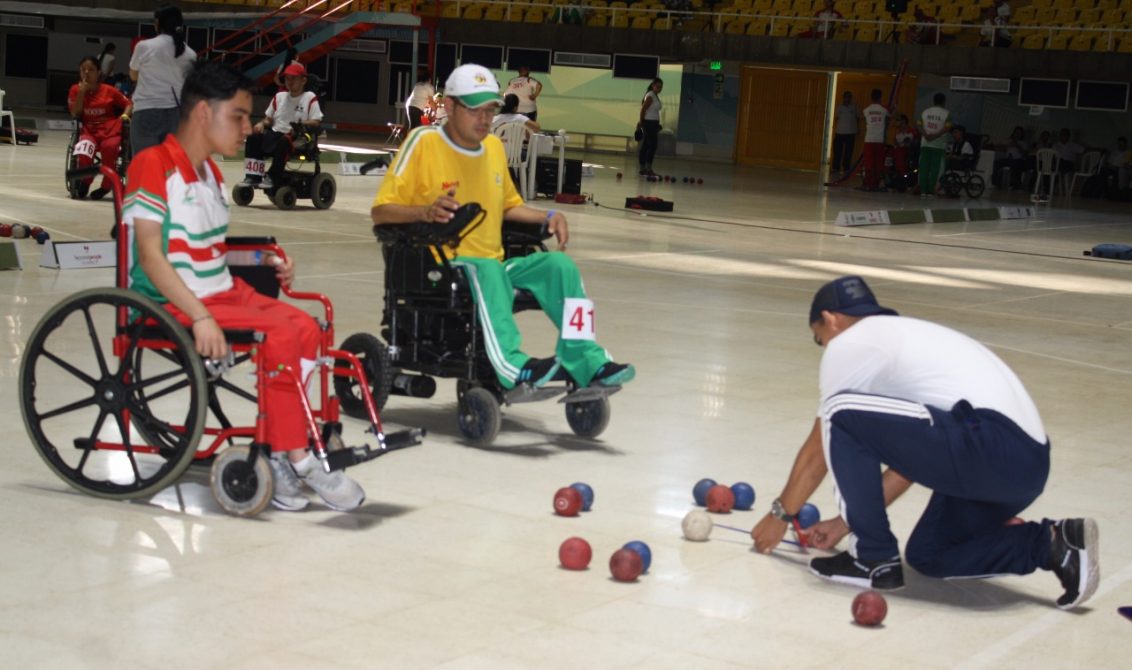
x=436, y=169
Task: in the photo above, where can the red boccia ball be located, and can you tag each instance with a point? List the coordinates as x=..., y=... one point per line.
x=575, y=554
x=869, y=608
x=567, y=501
x=5, y=230
x=700, y=180
x=625, y=565
x=35, y=230
x=720, y=499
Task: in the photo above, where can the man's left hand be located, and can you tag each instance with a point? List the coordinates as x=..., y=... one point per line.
x=556, y=225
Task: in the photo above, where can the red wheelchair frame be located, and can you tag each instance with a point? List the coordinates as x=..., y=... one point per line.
x=241, y=482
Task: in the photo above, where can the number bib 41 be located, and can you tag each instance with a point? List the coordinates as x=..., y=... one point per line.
x=578, y=319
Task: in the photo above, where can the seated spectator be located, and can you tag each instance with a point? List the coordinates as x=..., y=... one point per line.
x=994, y=32
x=826, y=21
x=508, y=114
x=1015, y=157
x=1002, y=11
x=1068, y=152
x=1117, y=169
x=961, y=155
x=924, y=31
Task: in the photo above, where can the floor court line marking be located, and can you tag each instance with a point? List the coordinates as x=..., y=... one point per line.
x=1071, y=361
x=992, y=654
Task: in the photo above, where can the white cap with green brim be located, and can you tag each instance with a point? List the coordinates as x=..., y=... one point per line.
x=473, y=85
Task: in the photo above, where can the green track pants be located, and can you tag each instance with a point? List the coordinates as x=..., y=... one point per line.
x=551, y=278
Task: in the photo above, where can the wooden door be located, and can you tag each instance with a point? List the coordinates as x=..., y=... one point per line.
x=782, y=117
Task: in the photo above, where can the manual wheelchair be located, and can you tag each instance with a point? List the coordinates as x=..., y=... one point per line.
x=296, y=182
x=127, y=421
x=431, y=328
x=78, y=188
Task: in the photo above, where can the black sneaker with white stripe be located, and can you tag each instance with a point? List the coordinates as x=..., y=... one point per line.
x=538, y=371
x=1075, y=559
x=887, y=575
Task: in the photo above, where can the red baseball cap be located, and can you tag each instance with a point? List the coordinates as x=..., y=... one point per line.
x=295, y=70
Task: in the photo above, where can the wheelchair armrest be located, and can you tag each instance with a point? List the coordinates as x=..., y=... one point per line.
x=247, y=241
x=525, y=233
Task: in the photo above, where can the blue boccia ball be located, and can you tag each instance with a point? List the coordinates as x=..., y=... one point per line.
x=699, y=491
x=744, y=495
x=587, y=494
x=808, y=515
x=644, y=551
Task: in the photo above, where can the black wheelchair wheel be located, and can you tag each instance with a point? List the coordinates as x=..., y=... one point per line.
x=241, y=487
x=479, y=416
x=588, y=418
x=323, y=190
x=144, y=426
x=952, y=184
x=975, y=187
x=242, y=195
x=285, y=198
x=77, y=189
x=374, y=357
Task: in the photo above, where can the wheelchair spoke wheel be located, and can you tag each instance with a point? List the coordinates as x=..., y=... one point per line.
x=323, y=190
x=100, y=422
x=975, y=186
x=242, y=487
x=285, y=198
x=479, y=416
x=588, y=418
x=374, y=357
x=242, y=195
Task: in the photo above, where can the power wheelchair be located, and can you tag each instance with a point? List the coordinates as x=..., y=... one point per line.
x=296, y=182
x=128, y=421
x=78, y=188
x=431, y=328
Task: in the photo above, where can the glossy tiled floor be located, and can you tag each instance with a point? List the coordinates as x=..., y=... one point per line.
x=452, y=562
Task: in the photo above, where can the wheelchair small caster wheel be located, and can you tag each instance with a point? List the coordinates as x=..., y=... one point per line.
x=241, y=487
x=479, y=416
x=588, y=418
x=976, y=185
x=242, y=194
x=285, y=197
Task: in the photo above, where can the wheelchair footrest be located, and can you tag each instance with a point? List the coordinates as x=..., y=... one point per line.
x=590, y=393
x=528, y=393
x=344, y=458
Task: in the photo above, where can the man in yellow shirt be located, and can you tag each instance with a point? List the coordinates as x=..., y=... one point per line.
x=461, y=161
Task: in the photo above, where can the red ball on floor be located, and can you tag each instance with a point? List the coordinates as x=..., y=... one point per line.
x=625, y=565
x=720, y=499
x=567, y=501
x=575, y=554
x=869, y=608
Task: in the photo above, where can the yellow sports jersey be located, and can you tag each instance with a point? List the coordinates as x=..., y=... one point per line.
x=430, y=165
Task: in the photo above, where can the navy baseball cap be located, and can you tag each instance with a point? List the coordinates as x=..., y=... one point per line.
x=847, y=295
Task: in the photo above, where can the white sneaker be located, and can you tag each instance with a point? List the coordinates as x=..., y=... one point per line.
x=338, y=491
x=266, y=182
x=288, y=495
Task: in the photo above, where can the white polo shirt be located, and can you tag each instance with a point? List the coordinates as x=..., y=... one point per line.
x=285, y=109
x=924, y=362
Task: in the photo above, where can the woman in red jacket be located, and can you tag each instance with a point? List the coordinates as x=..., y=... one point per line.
x=101, y=108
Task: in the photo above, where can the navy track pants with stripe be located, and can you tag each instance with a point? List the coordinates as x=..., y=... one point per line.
x=982, y=468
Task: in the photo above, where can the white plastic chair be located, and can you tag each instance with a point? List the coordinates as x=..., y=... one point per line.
x=11, y=118
x=515, y=136
x=1046, y=160
x=1089, y=166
